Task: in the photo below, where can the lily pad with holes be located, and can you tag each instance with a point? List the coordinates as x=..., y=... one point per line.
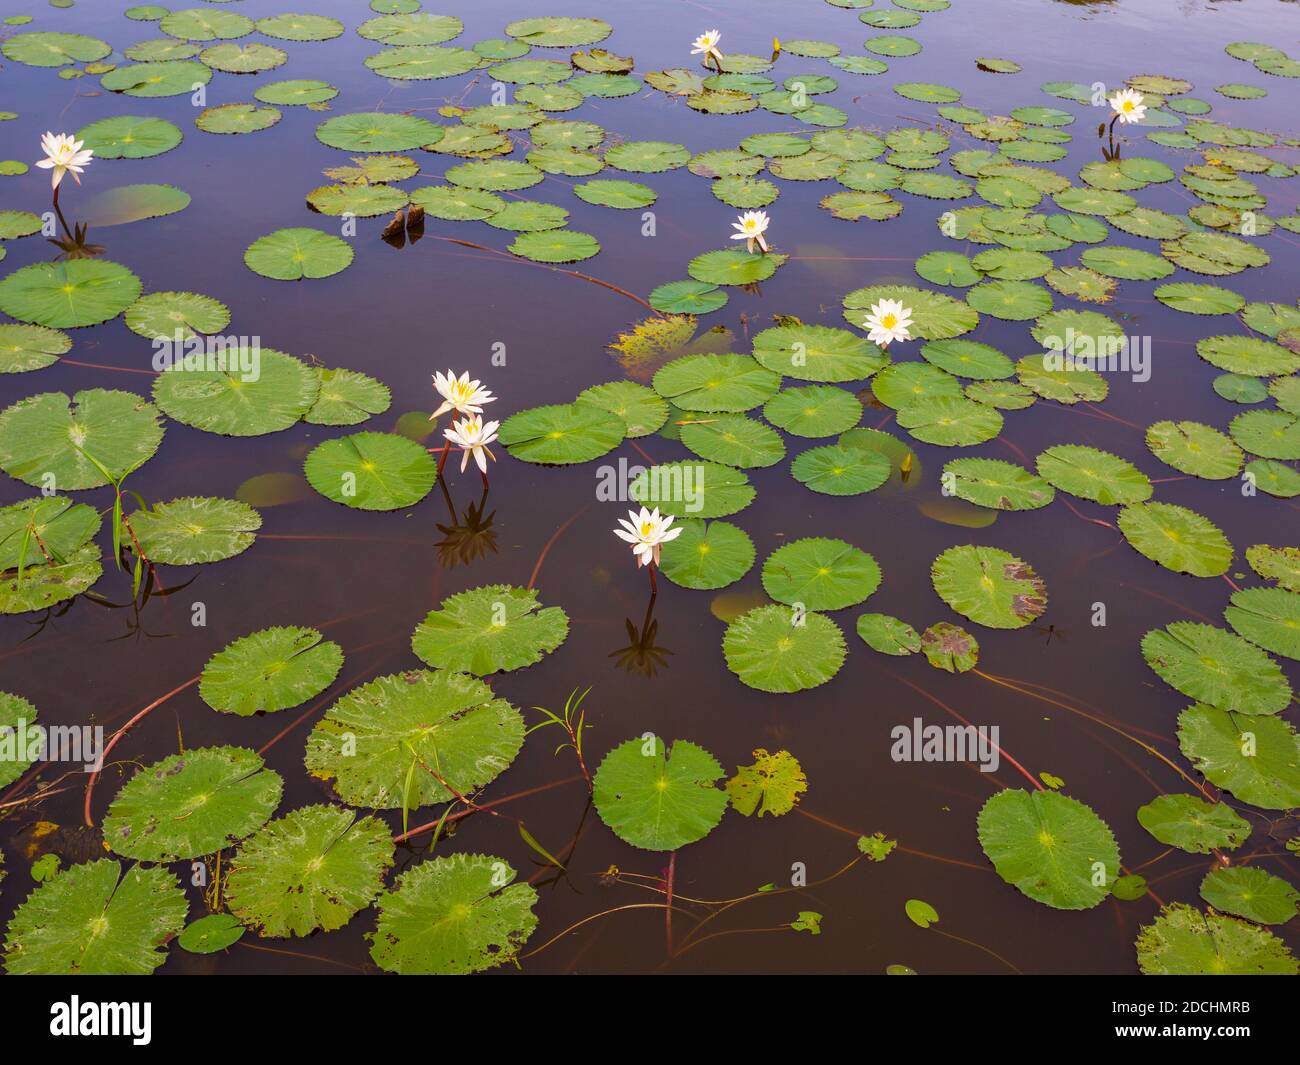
x=490, y=629
x=37, y=437
x=296, y=253
x=272, y=669
x=371, y=471
x=707, y=555
x=453, y=915
x=817, y=573
x=659, y=798
x=1182, y=941
x=442, y=723
x=1053, y=848
x=1191, y=824
x=562, y=434
x=314, y=868
x=780, y=649
x=95, y=919
x=191, y=804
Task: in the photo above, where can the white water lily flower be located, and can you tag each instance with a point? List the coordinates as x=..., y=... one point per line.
x=887, y=322
x=646, y=531
x=473, y=437
x=706, y=44
x=64, y=155
x=1128, y=106
x=460, y=394
x=752, y=225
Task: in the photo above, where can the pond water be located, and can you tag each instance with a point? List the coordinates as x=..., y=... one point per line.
x=1071, y=699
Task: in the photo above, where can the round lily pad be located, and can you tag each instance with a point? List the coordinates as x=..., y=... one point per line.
x=453, y=915
x=296, y=253
x=377, y=131
x=733, y=440
x=989, y=586
x=129, y=137
x=716, y=383
x=314, y=868
x=1269, y=617
x=1216, y=667
x=346, y=398
x=489, y=629
x=234, y=399
x=1177, y=538
x=814, y=410
x=192, y=804
x=1191, y=824
x=185, y=532
x=1257, y=758
x=817, y=573
x=1092, y=474
x=781, y=649
x=1051, y=847
x=43, y=49
x=888, y=635
x=119, y=429
x=1252, y=893
x=31, y=347
x=693, y=489
x=151, y=80
x=659, y=798
x=442, y=723
x=841, y=470
x=272, y=669
x=1182, y=941
x=562, y=434
x=625, y=195
x=555, y=246
x=371, y=471
x=707, y=555
x=997, y=485
x=95, y=919
x=950, y=421
x=1195, y=449
x=67, y=295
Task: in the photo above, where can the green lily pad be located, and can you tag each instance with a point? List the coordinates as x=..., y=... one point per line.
x=300, y=27
x=211, y=934
x=437, y=721
x=1269, y=617
x=1182, y=941
x=817, y=353
x=422, y=62
x=997, y=485
x=45, y=584
x=457, y=204
x=1256, y=759
x=935, y=316
x=733, y=267
x=685, y=297
x=237, y=118
x=130, y=137
x=841, y=470
x=888, y=635
x=1053, y=848
x=693, y=489
x=192, y=804
x=377, y=131
x=1271, y=434
x=411, y=28
x=1195, y=449
x=647, y=157
x=814, y=410
x=314, y=868
x=16, y=715
x=1092, y=474
x=716, y=383
x=297, y=91
x=733, y=440
x=489, y=629
x=232, y=401
x=816, y=573
x=1281, y=564
x=562, y=434
x=642, y=410
x=371, y=471
x=272, y=669
x=559, y=32
x=625, y=195
x=950, y=647
x=120, y=429
x=950, y=421
x=1191, y=824
x=54, y=49
x=989, y=586
x=659, y=798
x=967, y=358
x=31, y=347
x=1193, y=298
x=707, y=555
x=67, y=295
x=298, y=252
x=151, y=80
x=1252, y=893
x=346, y=398
x=185, y=532
x=453, y=915
x=1216, y=667
x=94, y=919
x=1177, y=538
x=780, y=649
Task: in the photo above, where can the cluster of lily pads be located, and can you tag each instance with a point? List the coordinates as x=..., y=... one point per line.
x=436, y=735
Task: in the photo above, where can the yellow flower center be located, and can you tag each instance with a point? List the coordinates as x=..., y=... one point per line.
x=888, y=321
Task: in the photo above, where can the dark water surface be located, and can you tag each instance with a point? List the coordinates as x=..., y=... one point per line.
x=368, y=578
